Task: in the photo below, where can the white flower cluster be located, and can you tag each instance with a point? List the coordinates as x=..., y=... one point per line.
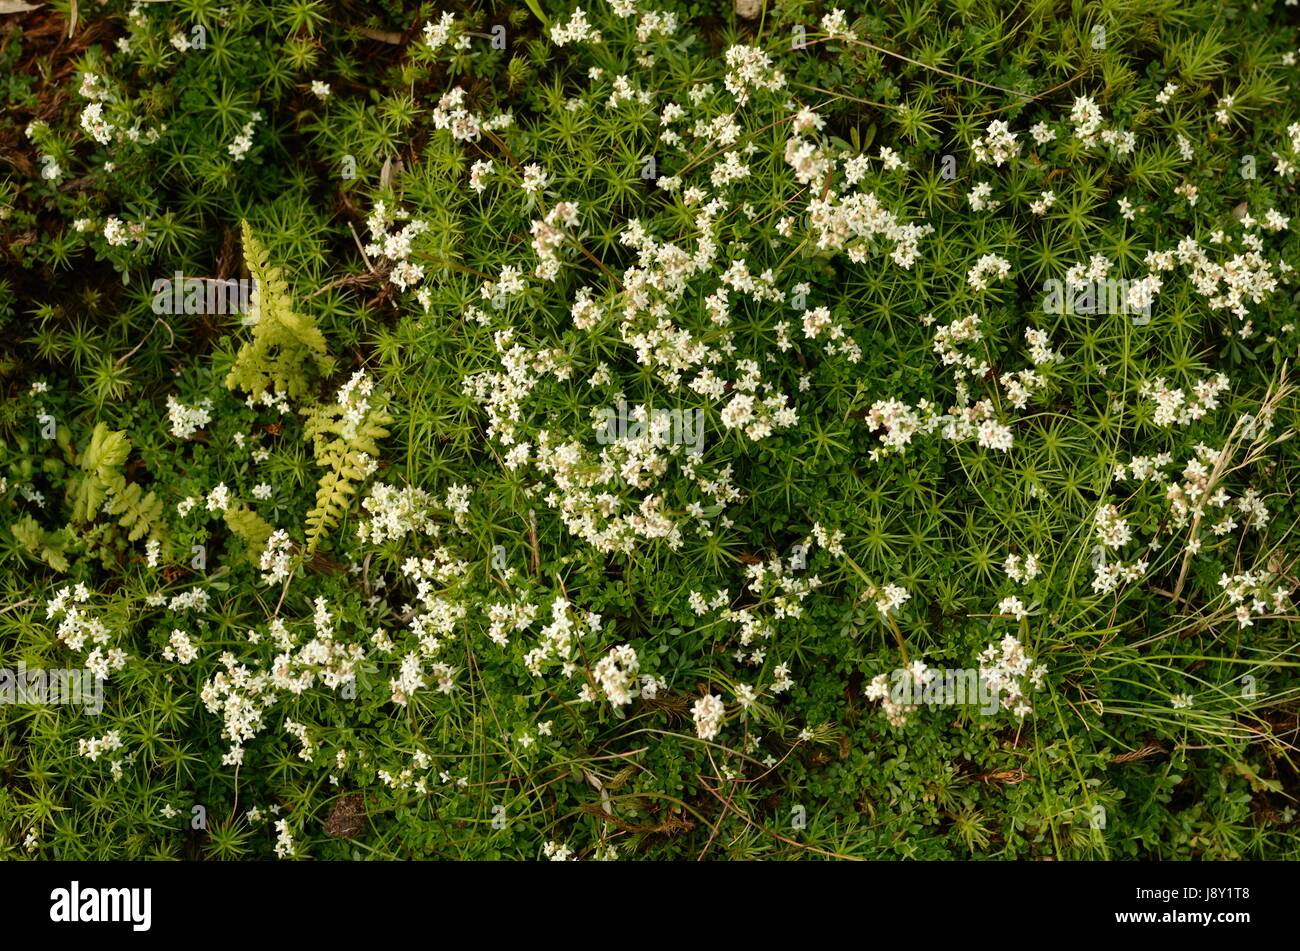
x=451, y=114
x=1021, y=570
x=616, y=673
x=708, y=713
x=853, y=222
x=93, y=748
x=284, y=847
x=890, y=598
x=1199, y=493
x=299, y=732
x=1013, y=607
x=79, y=630
x=1108, y=576
x=244, y=141
x=980, y=197
x=989, y=264
x=834, y=26
x=998, y=145
x=242, y=696
x=119, y=234
x=1113, y=529
x=655, y=23
x=504, y=618
x=430, y=621
x=437, y=35
x=756, y=415
x=576, y=30
x=395, y=247
x=396, y=513
x=94, y=123
x=218, y=499
x=354, y=400
x=1250, y=593
x=911, y=681
x=276, y=561
x=479, y=171
x=549, y=234
x=180, y=648
x=556, y=852
x=1243, y=277
x=187, y=420
x=1173, y=407
x=748, y=69
x=196, y=600
x=1086, y=117
x=558, y=639
x=1009, y=672
x=1045, y=200
x=900, y=422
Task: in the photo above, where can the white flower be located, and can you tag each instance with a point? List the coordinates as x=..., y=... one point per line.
x=535, y=178
x=180, y=648
x=478, y=172
x=187, y=420
x=617, y=675
x=1013, y=606
x=275, y=561
x=979, y=197
x=834, y=26
x=994, y=435
x=998, y=146
x=557, y=852
x=284, y=839
x=1112, y=530
x=437, y=34
x=891, y=598
x=244, y=141
x=708, y=712
x=96, y=126
x=219, y=498
x=115, y=232
x=1086, y=117
x=577, y=30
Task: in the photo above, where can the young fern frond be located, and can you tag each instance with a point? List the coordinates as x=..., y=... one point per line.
x=99, y=462
x=251, y=528
x=49, y=547
x=100, y=481
x=140, y=513
x=345, y=441
x=287, y=348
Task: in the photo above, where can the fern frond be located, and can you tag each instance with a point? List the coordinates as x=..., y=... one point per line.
x=342, y=449
x=286, y=348
x=107, y=450
x=100, y=481
x=251, y=528
x=49, y=547
x=140, y=513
